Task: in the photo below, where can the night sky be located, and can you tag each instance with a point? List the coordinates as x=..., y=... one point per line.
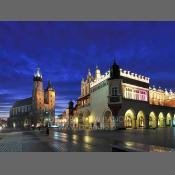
x=65, y=50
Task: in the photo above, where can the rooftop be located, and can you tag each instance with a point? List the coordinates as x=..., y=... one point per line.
x=23, y=102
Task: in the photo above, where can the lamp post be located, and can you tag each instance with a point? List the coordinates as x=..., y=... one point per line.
x=48, y=122
x=47, y=118
x=71, y=106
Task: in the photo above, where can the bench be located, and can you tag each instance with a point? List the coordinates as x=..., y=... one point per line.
x=127, y=146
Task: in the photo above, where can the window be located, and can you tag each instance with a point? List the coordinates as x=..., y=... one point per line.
x=137, y=94
x=114, y=91
x=143, y=96
x=129, y=93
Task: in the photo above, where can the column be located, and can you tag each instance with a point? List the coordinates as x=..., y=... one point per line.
x=135, y=123
x=146, y=122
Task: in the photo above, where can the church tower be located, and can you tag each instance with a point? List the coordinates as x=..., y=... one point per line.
x=50, y=100
x=38, y=92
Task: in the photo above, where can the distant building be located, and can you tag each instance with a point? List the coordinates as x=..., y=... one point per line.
x=61, y=120
x=3, y=122
x=121, y=99
x=36, y=110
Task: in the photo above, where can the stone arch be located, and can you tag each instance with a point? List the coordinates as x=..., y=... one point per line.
x=86, y=116
x=141, y=119
x=161, y=120
x=107, y=120
x=26, y=122
x=173, y=123
x=80, y=120
x=129, y=119
x=169, y=120
x=152, y=120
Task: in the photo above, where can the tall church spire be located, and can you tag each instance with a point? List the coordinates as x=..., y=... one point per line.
x=89, y=72
x=49, y=86
x=89, y=76
x=38, y=75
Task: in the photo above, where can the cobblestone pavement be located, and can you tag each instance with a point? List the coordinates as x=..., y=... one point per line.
x=22, y=141
x=101, y=141
x=81, y=141
x=64, y=142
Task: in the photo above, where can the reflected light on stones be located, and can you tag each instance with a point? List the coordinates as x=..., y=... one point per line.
x=87, y=139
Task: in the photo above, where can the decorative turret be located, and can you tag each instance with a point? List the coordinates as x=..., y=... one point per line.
x=115, y=71
x=71, y=107
x=82, y=81
x=97, y=73
x=89, y=73
x=160, y=89
x=89, y=76
x=166, y=92
x=171, y=92
x=71, y=104
x=37, y=75
x=49, y=86
x=154, y=88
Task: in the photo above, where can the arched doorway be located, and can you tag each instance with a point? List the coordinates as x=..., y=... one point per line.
x=174, y=120
x=80, y=121
x=107, y=120
x=140, y=119
x=86, y=121
x=161, y=120
x=152, y=120
x=129, y=120
x=168, y=120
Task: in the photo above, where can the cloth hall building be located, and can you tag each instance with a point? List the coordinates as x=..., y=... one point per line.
x=122, y=99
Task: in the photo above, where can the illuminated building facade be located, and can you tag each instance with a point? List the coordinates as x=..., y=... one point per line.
x=122, y=99
x=36, y=110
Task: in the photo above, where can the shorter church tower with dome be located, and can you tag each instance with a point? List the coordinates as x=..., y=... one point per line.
x=38, y=110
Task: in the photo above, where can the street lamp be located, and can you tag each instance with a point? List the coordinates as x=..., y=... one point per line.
x=71, y=106
x=47, y=118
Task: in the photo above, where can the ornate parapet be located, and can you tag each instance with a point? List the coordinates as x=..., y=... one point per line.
x=134, y=76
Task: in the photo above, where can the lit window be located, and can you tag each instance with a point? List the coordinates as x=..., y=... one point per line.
x=137, y=94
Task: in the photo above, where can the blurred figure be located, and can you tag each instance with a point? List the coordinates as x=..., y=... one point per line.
x=47, y=130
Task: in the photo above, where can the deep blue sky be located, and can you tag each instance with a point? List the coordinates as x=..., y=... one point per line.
x=65, y=50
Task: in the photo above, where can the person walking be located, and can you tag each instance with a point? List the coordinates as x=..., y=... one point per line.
x=47, y=130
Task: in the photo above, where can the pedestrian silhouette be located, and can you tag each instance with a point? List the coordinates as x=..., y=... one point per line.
x=47, y=130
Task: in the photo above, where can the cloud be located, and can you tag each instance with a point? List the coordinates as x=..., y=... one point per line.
x=65, y=50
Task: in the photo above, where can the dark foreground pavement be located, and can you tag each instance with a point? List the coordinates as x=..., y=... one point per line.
x=81, y=141
x=101, y=141
x=22, y=141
